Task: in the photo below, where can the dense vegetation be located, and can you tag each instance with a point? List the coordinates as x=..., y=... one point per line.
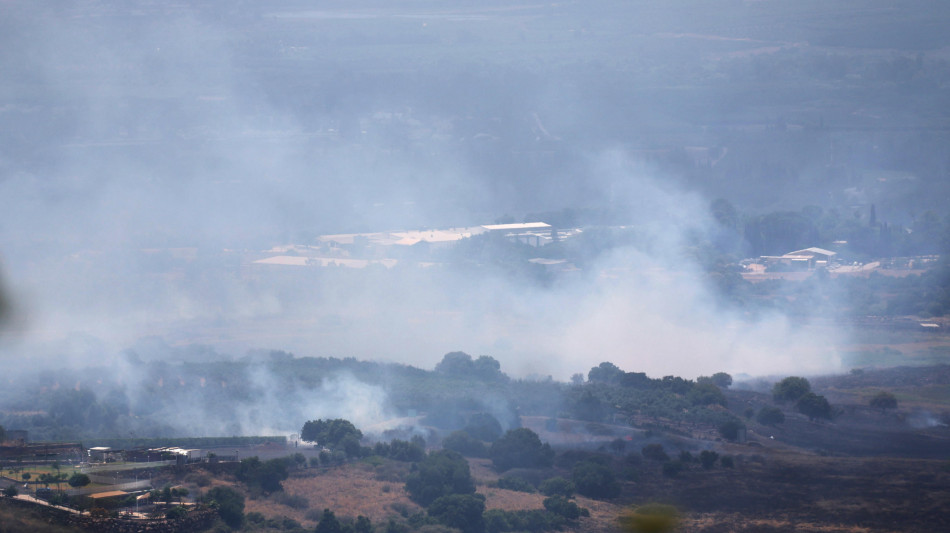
x=479, y=409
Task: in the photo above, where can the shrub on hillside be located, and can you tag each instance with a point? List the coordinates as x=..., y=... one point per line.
x=294, y=501
x=483, y=426
x=230, y=504
x=655, y=452
x=467, y=445
x=557, y=486
x=595, y=480
x=708, y=458
x=790, y=389
x=520, y=448
x=770, y=416
x=516, y=484
x=561, y=506
x=462, y=511
x=813, y=406
x=441, y=473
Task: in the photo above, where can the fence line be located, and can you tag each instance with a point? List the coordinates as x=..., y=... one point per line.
x=127, y=466
x=110, y=480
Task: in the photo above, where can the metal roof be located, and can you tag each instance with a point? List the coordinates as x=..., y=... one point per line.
x=812, y=250
x=526, y=225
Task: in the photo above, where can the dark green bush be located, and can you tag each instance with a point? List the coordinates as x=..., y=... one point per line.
x=557, y=486
x=515, y=483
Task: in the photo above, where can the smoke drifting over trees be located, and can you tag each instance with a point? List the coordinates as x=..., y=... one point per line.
x=150, y=153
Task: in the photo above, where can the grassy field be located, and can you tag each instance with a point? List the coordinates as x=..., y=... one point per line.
x=349, y=491
x=36, y=471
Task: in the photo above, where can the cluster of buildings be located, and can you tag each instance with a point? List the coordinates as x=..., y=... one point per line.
x=119, y=477
x=800, y=264
x=105, y=454
x=359, y=250
x=386, y=249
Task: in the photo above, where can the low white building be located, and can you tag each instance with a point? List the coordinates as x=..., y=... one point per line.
x=806, y=259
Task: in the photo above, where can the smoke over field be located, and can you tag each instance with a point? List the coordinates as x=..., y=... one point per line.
x=150, y=154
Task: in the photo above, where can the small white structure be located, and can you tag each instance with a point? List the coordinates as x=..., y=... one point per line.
x=99, y=454
x=806, y=259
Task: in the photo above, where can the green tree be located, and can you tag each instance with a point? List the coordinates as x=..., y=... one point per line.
x=272, y=472
x=706, y=394
x=708, y=458
x=790, y=389
x=722, y=380
x=180, y=493
x=176, y=513
x=770, y=416
x=557, y=486
x=362, y=525
x=441, y=473
x=595, y=480
x=166, y=494
x=456, y=364
x=483, y=426
x=654, y=452
x=813, y=406
x=487, y=368
x=409, y=451
x=351, y=446
x=515, y=483
x=329, y=523
x=396, y=527
x=605, y=372
x=312, y=430
x=496, y=521
x=78, y=480
x=265, y=475
x=465, y=444
x=589, y=406
x=230, y=505
x=461, y=511
x=561, y=506
x=329, y=433
x=883, y=400
x=520, y=448
x=673, y=468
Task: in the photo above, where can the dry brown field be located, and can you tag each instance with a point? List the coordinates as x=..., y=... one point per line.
x=769, y=490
